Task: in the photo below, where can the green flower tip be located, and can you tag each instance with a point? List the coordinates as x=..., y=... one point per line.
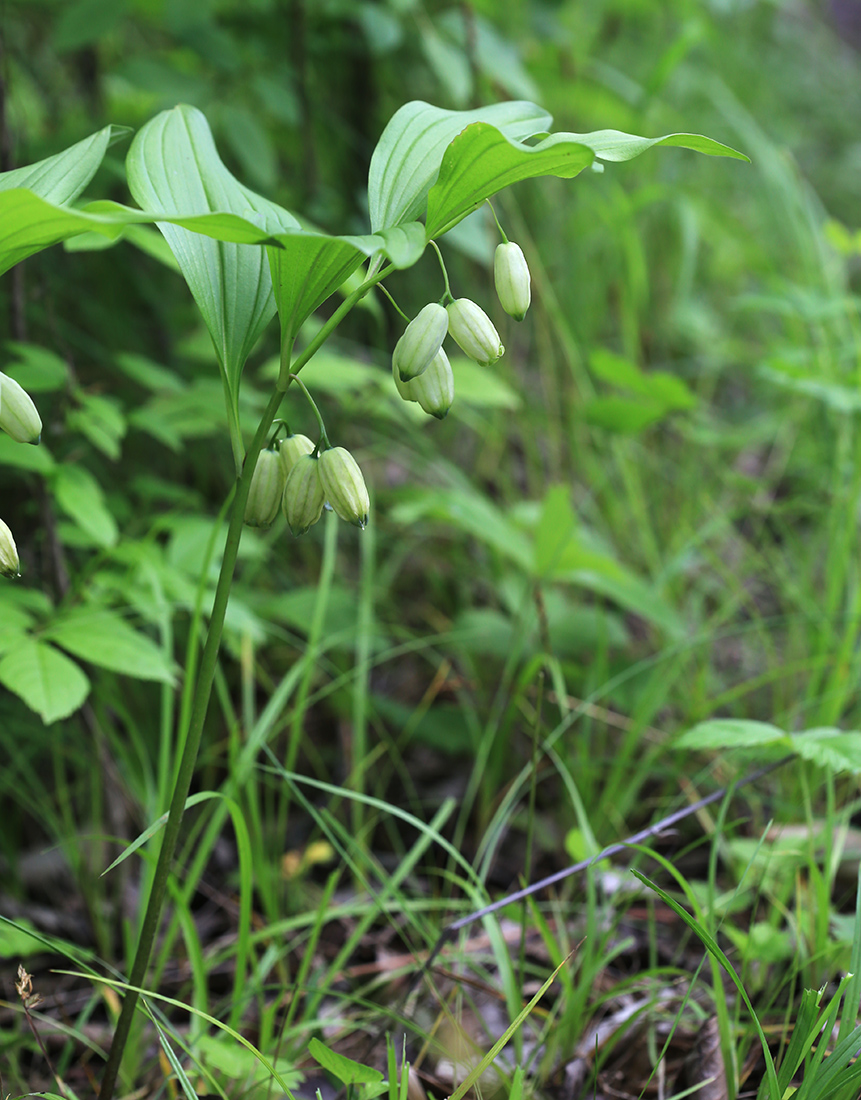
x=19, y=417
x=9, y=563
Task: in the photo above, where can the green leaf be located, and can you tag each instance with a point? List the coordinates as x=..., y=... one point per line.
x=481, y=387
x=622, y=414
x=37, y=459
x=173, y=166
x=80, y=496
x=732, y=733
x=48, y=682
x=554, y=530
x=309, y=267
x=613, y=145
x=341, y=1067
x=830, y=748
x=608, y=578
x=101, y=420
x=86, y=21
x=29, y=223
x=104, y=638
x=471, y=513
x=17, y=943
x=221, y=1052
x=407, y=158
x=659, y=387
x=482, y=160
x=64, y=176
x=39, y=370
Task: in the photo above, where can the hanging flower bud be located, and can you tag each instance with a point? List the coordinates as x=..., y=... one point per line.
x=434, y=390
x=303, y=494
x=266, y=491
x=511, y=276
x=421, y=341
x=474, y=331
x=343, y=485
x=18, y=415
x=8, y=553
x=404, y=388
x=291, y=448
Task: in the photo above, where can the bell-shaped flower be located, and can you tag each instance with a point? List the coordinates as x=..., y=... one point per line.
x=266, y=491
x=474, y=331
x=343, y=486
x=18, y=415
x=9, y=564
x=421, y=341
x=291, y=448
x=433, y=390
x=303, y=494
x=511, y=276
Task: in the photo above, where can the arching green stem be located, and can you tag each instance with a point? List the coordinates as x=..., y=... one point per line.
x=295, y=378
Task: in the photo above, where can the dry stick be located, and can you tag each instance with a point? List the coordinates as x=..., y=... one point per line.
x=637, y=838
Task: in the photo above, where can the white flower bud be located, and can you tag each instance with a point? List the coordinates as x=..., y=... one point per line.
x=18, y=415
x=303, y=494
x=291, y=448
x=9, y=564
x=343, y=486
x=266, y=491
x=474, y=331
x=513, y=283
x=421, y=341
x=434, y=390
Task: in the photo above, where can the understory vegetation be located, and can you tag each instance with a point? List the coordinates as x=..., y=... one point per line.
x=617, y=583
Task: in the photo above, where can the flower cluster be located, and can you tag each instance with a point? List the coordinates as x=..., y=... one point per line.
x=20, y=419
x=420, y=366
x=294, y=476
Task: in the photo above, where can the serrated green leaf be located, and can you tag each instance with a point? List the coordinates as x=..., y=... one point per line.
x=407, y=158
x=732, y=733
x=830, y=748
x=105, y=639
x=482, y=160
x=49, y=683
x=80, y=496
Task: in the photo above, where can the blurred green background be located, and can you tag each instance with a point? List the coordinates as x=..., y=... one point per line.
x=657, y=488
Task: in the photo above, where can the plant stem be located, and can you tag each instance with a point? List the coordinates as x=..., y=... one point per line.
x=203, y=688
x=187, y=764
